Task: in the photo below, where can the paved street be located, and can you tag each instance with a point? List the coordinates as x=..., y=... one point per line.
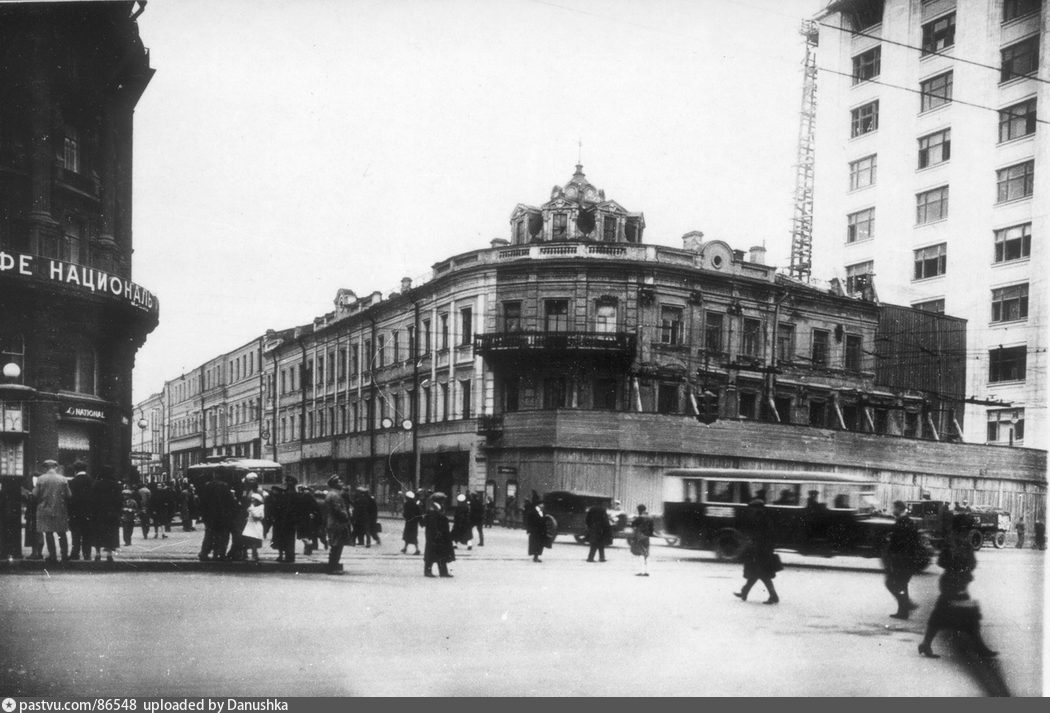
x=502, y=626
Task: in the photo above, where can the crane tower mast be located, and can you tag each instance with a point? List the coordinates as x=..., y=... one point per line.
x=802, y=220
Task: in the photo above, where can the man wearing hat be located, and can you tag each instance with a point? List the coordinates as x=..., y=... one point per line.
x=412, y=514
x=80, y=512
x=438, y=549
x=337, y=523
x=51, y=495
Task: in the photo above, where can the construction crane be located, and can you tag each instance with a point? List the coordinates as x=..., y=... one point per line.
x=802, y=220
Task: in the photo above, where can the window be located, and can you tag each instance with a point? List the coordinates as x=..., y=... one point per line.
x=866, y=65
x=713, y=332
x=12, y=350
x=605, y=394
x=555, y=392
x=1017, y=120
x=1020, y=59
x=556, y=313
x=77, y=370
x=464, y=393
x=930, y=261
x=1010, y=304
x=862, y=173
x=939, y=34
x=819, y=356
x=380, y=357
x=395, y=351
x=609, y=229
x=341, y=366
x=667, y=398
x=785, y=342
x=443, y=318
x=854, y=353
x=512, y=316
x=935, y=91
x=860, y=225
x=410, y=332
x=446, y=401
x=511, y=390
x=818, y=413
x=935, y=148
x=561, y=226
x=748, y=405
x=1012, y=9
x=1006, y=425
x=864, y=119
x=466, y=326
x=935, y=306
x=320, y=364
x=859, y=276
x=71, y=150
x=1007, y=364
x=1015, y=182
x=605, y=317
x=426, y=336
x=1013, y=243
x=931, y=205
x=751, y=343
x=670, y=325
x=354, y=363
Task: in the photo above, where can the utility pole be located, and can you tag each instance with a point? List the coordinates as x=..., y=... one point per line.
x=802, y=220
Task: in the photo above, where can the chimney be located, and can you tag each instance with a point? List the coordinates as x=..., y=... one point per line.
x=692, y=241
x=406, y=284
x=499, y=243
x=758, y=254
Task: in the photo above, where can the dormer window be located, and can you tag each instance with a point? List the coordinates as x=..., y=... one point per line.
x=560, y=227
x=609, y=229
x=519, y=232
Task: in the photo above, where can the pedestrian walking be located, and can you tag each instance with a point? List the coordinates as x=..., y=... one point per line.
x=1020, y=532
x=80, y=512
x=314, y=531
x=438, y=549
x=145, y=496
x=761, y=563
x=903, y=556
x=599, y=531
x=51, y=494
x=413, y=515
x=1039, y=535
x=249, y=486
x=162, y=509
x=253, y=533
x=187, y=497
x=461, y=529
x=477, y=517
x=11, y=497
x=129, y=513
x=360, y=517
x=536, y=528
x=107, y=504
x=218, y=507
x=954, y=609
x=337, y=523
x=643, y=529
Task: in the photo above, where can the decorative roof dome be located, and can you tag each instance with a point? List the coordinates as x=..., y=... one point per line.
x=579, y=189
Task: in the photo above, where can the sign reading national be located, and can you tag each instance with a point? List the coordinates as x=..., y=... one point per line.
x=78, y=276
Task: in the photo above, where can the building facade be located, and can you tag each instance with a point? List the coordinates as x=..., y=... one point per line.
x=573, y=355
x=929, y=157
x=71, y=318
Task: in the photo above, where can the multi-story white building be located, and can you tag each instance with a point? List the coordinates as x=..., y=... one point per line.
x=931, y=182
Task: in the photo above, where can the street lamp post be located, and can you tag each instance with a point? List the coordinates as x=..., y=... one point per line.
x=143, y=424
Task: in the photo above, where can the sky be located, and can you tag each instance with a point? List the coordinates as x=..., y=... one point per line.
x=286, y=149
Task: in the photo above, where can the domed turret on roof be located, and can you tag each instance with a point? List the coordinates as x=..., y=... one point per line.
x=576, y=211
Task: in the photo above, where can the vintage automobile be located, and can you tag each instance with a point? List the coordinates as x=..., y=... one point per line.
x=934, y=519
x=811, y=512
x=569, y=509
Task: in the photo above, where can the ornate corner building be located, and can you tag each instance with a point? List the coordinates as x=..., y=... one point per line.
x=575, y=356
x=71, y=318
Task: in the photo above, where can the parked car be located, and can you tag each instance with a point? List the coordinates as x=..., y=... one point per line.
x=569, y=509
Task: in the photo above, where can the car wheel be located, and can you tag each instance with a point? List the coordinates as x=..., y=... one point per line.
x=729, y=545
x=999, y=540
x=976, y=539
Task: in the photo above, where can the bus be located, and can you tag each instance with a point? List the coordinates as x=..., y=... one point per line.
x=232, y=470
x=811, y=512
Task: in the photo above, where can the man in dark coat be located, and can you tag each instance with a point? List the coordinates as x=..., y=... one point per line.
x=107, y=503
x=412, y=514
x=291, y=514
x=80, y=515
x=218, y=506
x=599, y=531
x=477, y=516
x=536, y=528
x=362, y=517
x=337, y=523
x=900, y=559
x=438, y=549
x=162, y=509
x=760, y=560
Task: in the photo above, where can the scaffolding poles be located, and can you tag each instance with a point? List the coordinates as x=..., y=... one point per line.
x=802, y=220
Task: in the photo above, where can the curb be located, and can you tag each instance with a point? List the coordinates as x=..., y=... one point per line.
x=39, y=566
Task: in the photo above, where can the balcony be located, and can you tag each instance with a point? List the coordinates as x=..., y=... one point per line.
x=523, y=343
x=490, y=425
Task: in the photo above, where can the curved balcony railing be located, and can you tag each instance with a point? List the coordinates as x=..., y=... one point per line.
x=621, y=342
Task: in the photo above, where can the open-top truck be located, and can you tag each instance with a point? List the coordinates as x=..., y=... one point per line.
x=934, y=519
